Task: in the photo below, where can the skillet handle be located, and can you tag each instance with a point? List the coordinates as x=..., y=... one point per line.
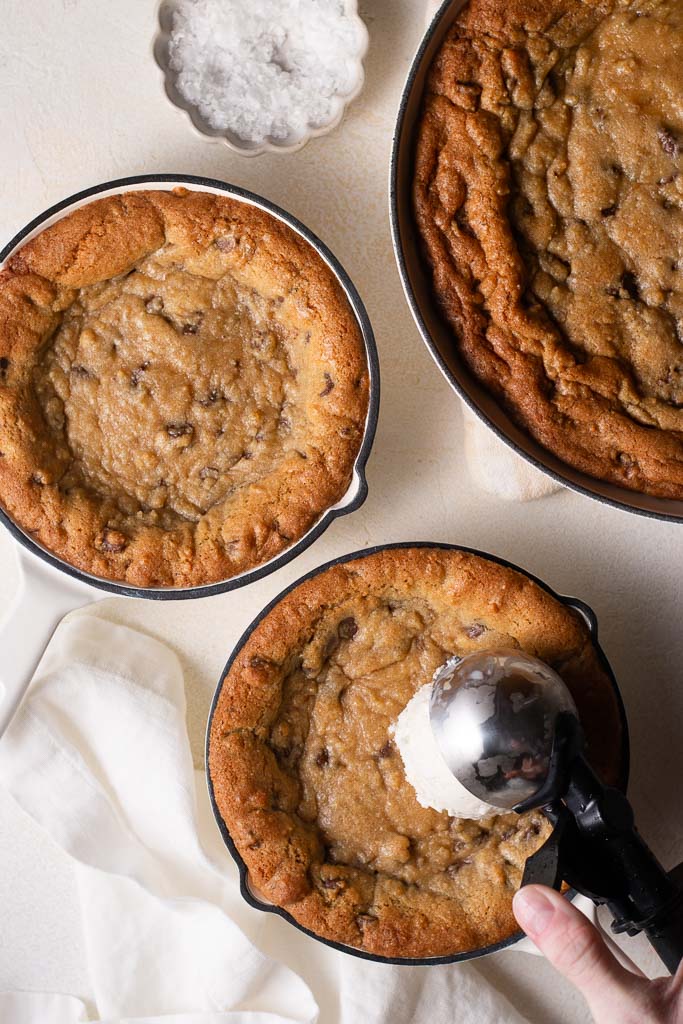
x=43, y=597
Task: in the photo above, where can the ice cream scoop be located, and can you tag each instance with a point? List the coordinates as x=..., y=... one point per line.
x=493, y=716
x=506, y=727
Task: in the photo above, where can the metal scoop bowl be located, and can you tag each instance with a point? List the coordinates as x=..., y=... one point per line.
x=510, y=734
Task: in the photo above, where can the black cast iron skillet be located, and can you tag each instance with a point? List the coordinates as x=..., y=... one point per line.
x=49, y=587
x=246, y=888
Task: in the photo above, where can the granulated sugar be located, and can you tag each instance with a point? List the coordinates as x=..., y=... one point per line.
x=264, y=68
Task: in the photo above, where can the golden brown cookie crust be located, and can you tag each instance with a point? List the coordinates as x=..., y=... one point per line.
x=183, y=388
x=548, y=192
x=307, y=779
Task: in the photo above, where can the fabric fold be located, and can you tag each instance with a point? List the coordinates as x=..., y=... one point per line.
x=99, y=756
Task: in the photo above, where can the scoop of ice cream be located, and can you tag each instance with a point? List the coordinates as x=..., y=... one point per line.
x=425, y=767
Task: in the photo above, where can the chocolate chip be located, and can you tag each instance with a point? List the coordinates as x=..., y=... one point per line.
x=668, y=142
x=387, y=750
x=475, y=630
x=113, y=541
x=628, y=463
x=630, y=285
x=609, y=211
x=227, y=243
x=347, y=628
x=179, y=429
x=329, y=384
x=322, y=758
x=210, y=399
x=38, y=480
x=4, y=362
x=137, y=374
x=209, y=473
x=626, y=288
x=455, y=869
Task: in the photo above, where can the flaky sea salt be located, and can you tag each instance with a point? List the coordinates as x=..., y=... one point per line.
x=265, y=68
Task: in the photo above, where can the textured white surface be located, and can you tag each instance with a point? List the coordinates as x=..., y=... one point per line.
x=81, y=102
x=427, y=772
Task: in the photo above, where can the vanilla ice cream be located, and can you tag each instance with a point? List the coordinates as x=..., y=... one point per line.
x=425, y=767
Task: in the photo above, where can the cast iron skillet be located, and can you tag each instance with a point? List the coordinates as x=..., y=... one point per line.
x=44, y=595
x=438, y=336
x=246, y=888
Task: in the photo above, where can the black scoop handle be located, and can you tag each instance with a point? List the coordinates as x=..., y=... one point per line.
x=612, y=864
x=596, y=848
x=667, y=940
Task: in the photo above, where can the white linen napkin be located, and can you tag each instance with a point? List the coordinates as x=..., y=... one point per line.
x=495, y=468
x=499, y=470
x=98, y=754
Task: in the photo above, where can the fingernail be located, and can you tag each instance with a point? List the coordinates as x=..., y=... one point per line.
x=533, y=910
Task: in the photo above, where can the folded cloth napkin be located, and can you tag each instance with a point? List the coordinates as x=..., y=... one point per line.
x=495, y=467
x=98, y=755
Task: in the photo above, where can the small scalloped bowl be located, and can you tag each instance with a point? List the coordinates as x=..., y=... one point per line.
x=289, y=144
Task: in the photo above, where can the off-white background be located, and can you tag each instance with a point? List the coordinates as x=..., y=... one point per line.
x=81, y=102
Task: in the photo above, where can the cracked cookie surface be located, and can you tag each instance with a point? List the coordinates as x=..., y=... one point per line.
x=311, y=786
x=183, y=388
x=548, y=193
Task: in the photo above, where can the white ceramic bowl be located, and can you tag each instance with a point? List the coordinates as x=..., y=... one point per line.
x=289, y=144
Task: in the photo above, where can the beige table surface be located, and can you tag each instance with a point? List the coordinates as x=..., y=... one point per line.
x=81, y=102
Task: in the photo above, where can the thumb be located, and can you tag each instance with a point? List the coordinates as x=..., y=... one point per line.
x=575, y=948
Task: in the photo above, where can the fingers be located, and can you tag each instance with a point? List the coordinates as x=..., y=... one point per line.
x=575, y=948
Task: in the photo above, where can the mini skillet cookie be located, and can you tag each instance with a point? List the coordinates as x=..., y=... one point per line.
x=183, y=388
x=308, y=780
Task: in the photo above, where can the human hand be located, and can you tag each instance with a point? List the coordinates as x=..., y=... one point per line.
x=574, y=946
